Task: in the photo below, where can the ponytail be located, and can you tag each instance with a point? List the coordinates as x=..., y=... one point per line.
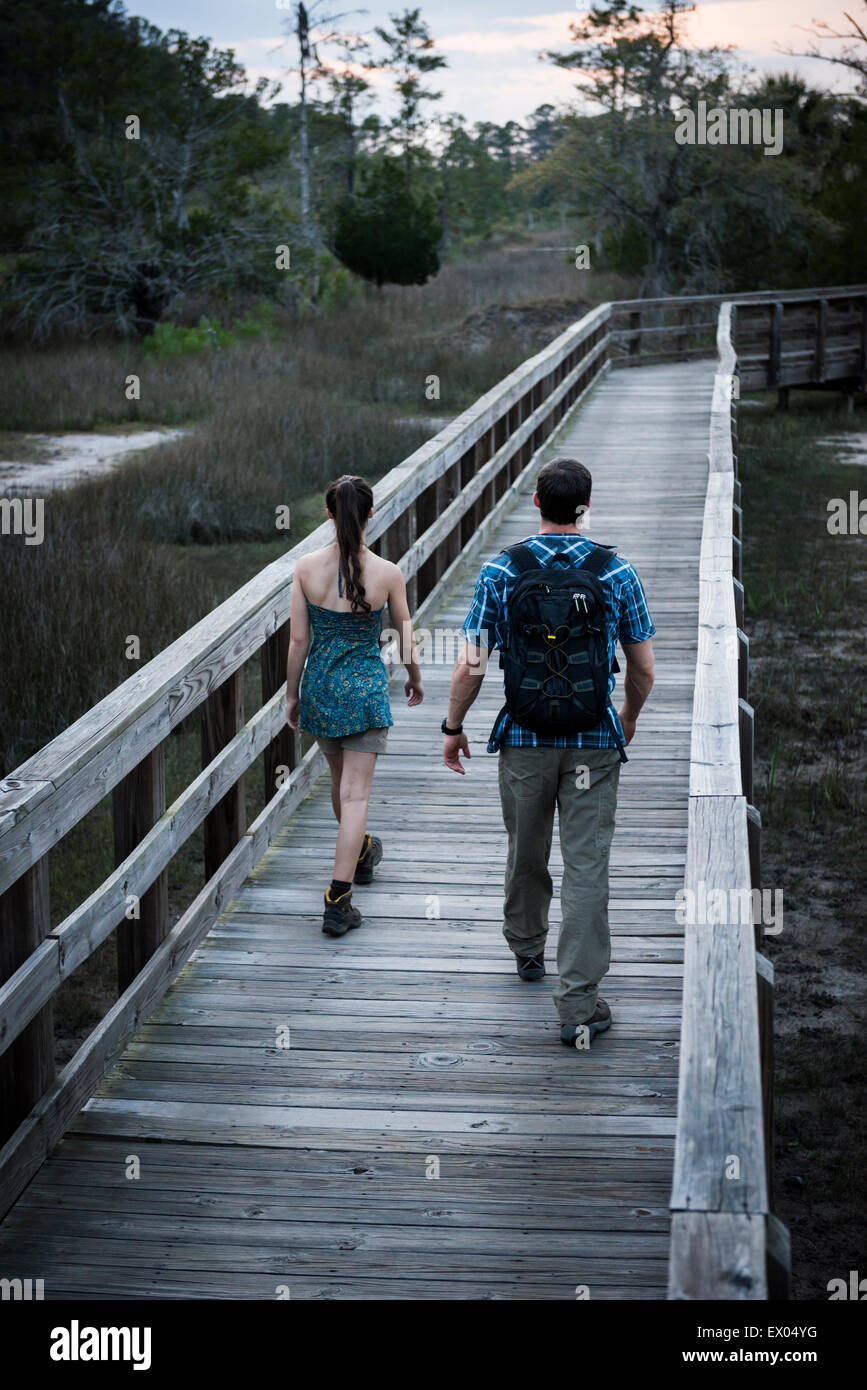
x=349, y=501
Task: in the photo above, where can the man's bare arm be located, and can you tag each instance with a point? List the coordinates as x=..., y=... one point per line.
x=466, y=683
x=637, y=683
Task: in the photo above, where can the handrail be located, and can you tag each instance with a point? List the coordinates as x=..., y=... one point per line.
x=724, y=1239
x=821, y=340
x=744, y=297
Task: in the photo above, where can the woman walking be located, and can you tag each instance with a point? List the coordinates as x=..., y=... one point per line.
x=338, y=595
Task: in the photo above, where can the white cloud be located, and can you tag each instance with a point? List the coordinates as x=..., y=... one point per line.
x=495, y=74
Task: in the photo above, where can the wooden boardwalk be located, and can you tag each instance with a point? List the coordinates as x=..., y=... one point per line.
x=424, y=1135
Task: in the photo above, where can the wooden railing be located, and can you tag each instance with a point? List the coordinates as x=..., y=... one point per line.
x=784, y=337
x=431, y=512
x=725, y=1241
x=432, y=509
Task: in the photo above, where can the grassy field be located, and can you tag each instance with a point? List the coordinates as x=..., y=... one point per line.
x=148, y=549
x=806, y=600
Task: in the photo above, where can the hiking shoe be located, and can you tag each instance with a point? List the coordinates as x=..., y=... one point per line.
x=368, y=861
x=531, y=967
x=340, y=917
x=581, y=1035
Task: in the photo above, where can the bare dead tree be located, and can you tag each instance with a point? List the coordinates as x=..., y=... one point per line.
x=853, y=56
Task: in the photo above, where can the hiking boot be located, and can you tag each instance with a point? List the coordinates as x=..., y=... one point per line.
x=340, y=916
x=531, y=967
x=368, y=861
x=580, y=1035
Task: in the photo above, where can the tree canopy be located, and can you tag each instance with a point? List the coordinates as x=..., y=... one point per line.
x=141, y=167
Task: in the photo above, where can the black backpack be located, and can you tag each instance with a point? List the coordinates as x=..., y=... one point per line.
x=556, y=662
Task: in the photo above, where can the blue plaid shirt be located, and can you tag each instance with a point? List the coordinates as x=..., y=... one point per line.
x=487, y=624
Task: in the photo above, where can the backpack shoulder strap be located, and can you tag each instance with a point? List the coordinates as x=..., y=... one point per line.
x=597, y=560
x=522, y=558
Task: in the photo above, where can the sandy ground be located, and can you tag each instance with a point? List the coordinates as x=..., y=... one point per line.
x=60, y=460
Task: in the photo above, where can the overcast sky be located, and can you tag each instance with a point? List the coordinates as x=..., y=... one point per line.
x=491, y=45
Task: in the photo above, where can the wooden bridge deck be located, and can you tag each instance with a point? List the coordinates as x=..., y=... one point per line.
x=413, y=1042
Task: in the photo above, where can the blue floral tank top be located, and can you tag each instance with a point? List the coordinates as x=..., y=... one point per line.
x=345, y=685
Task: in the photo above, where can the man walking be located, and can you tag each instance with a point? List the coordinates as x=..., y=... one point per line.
x=555, y=607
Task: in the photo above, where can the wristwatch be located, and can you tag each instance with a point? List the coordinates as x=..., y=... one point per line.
x=446, y=730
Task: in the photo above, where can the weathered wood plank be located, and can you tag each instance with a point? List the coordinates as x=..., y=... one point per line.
x=720, y=1164
x=29, y=964
x=717, y=1256
x=138, y=802
x=222, y=718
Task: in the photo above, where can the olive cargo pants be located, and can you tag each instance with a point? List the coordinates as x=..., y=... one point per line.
x=533, y=781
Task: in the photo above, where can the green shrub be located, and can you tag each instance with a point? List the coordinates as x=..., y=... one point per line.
x=258, y=322
x=170, y=340
x=337, y=287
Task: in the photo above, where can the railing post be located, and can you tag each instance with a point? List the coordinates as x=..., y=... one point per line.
x=775, y=345
x=467, y=524
x=501, y=434
x=743, y=665
x=753, y=838
x=453, y=543
x=489, y=493
x=512, y=421
x=635, y=340
x=396, y=541
x=481, y=454
x=684, y=318
x=137, y=804
x=525, y=410
x=285, y=749
x=739, y=601
x=821, y=339
x=765, y=988
x=745, y=726
x=222, y=717
x=779, y=1259
x=429, y=505
x=27, y=1065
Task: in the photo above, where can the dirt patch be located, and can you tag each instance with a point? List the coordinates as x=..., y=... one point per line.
x=48, y=461
x=532, y=325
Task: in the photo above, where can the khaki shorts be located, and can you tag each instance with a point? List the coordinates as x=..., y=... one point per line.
x=370, y=741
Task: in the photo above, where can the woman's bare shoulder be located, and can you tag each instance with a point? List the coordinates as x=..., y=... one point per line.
x=306, y=564
x=382, y=568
